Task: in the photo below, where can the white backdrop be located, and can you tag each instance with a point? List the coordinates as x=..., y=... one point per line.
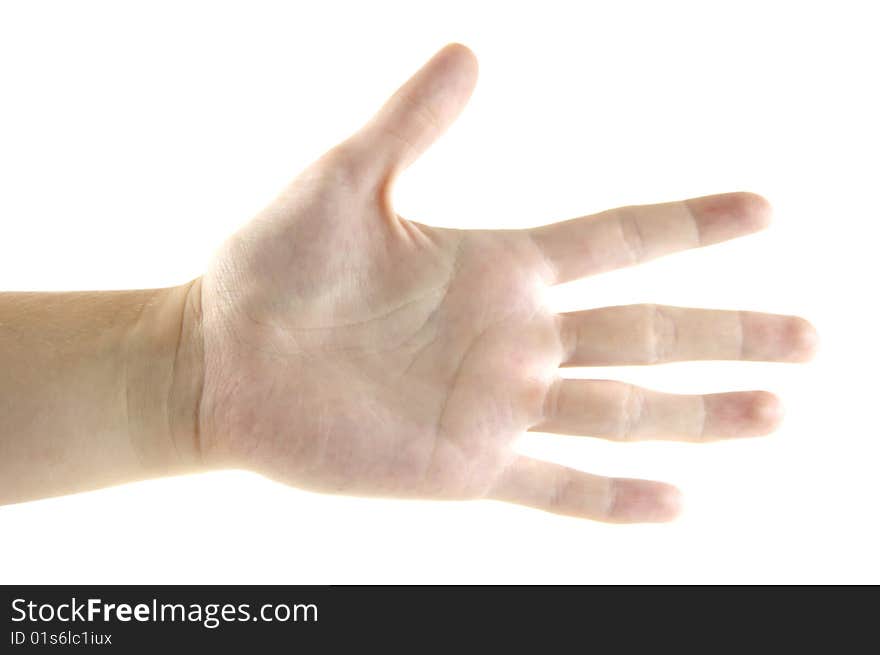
x=135, y=136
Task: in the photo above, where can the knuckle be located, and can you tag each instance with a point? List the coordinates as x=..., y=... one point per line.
x=342, y=167
x=569, y=337
x=631, y=234
x=662, y=334
x=564, y=493
x=632, y=412
x=551, y=405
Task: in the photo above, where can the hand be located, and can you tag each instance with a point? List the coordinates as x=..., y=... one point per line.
x=350, y=350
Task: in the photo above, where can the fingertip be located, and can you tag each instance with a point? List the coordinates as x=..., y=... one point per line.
x=461, y=53
x=753, y=211
x=741, y=414
x=461, y=63
x=765, y=412
x=728, y=215
x=644, y=501
x=802, y=339
x=777, y=338
x=670, y=502
x=420, y=111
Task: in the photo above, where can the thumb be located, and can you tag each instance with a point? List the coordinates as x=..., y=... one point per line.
x=419, y=112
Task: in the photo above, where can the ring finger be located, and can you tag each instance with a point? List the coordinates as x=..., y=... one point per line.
x=623, y=412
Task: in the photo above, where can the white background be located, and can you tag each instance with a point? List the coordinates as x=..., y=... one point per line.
x=135, y=136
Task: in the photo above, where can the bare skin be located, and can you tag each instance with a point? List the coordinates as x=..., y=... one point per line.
x=338, y=347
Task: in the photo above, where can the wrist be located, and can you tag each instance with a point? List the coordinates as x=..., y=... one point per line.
x=164, y=377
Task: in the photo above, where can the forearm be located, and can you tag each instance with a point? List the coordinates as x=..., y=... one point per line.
x=97, y=388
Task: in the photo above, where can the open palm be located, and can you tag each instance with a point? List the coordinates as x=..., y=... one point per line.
x=350, y=350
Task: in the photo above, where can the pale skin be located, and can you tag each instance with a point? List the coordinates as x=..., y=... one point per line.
x=338, y=347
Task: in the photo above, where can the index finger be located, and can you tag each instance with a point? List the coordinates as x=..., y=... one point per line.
x=632, y=235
